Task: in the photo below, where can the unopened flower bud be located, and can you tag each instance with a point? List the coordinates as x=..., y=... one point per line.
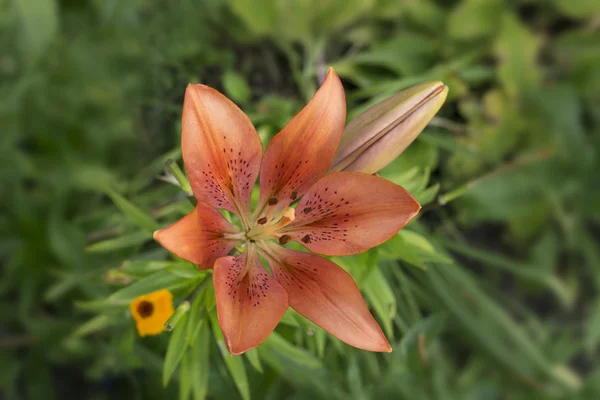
x=377, y=136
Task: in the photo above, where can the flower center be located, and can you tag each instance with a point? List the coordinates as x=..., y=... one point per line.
x=269, y=226
x=145, y=309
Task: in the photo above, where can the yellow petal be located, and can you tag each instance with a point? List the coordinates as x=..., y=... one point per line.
x=151, y=311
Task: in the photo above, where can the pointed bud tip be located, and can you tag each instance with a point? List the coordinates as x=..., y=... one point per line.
x=441, y=90
x=431, y=90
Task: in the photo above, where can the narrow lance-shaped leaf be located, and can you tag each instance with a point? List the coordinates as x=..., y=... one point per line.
x=235, y=364
x=175, y=351
x=133, y=212
x=200, y=355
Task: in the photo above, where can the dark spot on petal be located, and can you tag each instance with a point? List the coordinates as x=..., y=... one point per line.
x=294, y=195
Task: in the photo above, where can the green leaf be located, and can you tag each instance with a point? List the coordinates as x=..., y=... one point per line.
x=131, y=211
x=592, y=331
x=93, y=325
x=427, y=195
x=561, y=113
x=65, y=240
x=175, y=350
x=382, y=299
x=210, y=299
x=320, y=340
x=38, y=21
x=235, y=364
x=430, y=327
x=185, y=377
x=119, y=243
x=295, y=364
x=578, y=8
x=412, y=248
x=517, y=49
x=473, y=19
x=152, y=283
x=253, y=357
x=143, y=268
x=423, y=247
x=199, y=356
x=259, y=16
x=289, y=318
x=301, y=356
x=197, y=315
x=236, y=87
x=531, y=273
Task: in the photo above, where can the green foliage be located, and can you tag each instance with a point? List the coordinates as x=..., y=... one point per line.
x=493, y=292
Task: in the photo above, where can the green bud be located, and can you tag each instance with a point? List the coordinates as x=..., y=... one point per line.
x=377, y=136
x=183, y=308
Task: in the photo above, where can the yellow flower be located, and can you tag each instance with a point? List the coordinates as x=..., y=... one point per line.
x=151, y=311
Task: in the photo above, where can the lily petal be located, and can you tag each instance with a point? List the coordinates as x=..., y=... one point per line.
x=221, y=149
x=302, y=152
x=250, y=302
x=350, y=212
x=327, y=295
x=199, y=236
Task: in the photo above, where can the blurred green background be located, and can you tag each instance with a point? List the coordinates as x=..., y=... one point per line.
x=492, y=294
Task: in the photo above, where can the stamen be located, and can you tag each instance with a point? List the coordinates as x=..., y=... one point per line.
x=267, y=227
x=234, y=236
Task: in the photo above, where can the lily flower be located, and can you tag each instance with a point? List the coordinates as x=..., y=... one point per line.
x=337, y=214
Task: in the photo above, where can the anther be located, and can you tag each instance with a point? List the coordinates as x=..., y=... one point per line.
x=284, y=239
x=306, y=239
x=294, y=195
x=262, y=221
x=273, y=201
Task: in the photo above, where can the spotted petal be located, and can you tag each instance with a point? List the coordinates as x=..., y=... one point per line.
x=250, y=302
x=221, y=149
x=302, y=152
x=199, y=236
x=327, y=295
x=350, y=212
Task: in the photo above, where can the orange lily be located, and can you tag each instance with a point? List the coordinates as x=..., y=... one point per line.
x=338, y=214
